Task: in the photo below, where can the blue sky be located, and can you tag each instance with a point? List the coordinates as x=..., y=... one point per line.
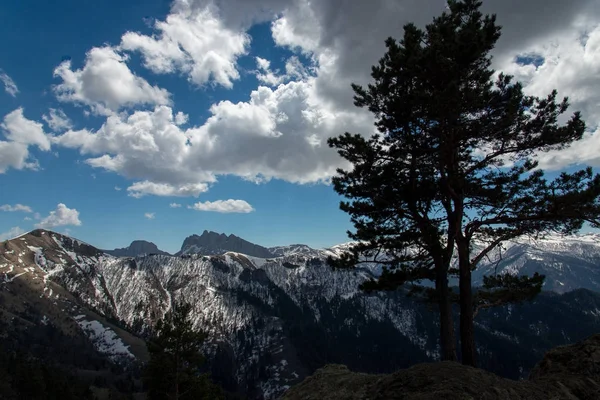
x=156, y=120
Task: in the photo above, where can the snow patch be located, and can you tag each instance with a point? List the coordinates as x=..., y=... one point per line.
x=104, y=339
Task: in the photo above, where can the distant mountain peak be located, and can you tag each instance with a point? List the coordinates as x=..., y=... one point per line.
x=137, y=248
x=210, y=243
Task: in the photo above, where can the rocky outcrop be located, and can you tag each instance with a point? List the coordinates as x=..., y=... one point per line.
x=137, y=248
x=212, y=243
x=568, y=372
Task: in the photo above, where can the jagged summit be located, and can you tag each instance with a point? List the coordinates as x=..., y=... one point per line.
x=210, y=243
x=137, y=248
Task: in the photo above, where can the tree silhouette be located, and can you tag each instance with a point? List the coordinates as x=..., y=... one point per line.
x=175, y=357
x=453, y=169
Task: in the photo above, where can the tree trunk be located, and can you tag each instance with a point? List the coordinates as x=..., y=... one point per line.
x=467, y=334
x=447, y=339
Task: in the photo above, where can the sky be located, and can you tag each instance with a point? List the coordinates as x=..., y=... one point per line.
x=155, y=120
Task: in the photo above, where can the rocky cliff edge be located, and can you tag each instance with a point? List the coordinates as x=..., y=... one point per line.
x=568, y=372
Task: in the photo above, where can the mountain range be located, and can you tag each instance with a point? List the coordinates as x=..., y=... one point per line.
x=273, y=320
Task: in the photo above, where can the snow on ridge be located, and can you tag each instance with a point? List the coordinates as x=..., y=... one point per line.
x=104, y=339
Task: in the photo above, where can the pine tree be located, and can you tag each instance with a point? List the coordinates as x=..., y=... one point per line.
x=175, y=358
x=453, y=163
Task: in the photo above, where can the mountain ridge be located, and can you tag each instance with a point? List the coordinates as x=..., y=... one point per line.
x=136, y=248
x=212, y=243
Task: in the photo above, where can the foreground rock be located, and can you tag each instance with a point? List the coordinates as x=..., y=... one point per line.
x=567, y=372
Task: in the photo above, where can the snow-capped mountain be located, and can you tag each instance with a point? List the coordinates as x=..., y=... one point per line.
x=569, y=262
x=31, y=293
x=274, y=320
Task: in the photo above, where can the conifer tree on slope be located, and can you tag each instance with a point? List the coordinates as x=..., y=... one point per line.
x=454, y=164
x=175, y=357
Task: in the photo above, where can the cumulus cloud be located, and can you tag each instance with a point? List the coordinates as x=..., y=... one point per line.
x=181, y=118
x=15, y=155
x=105, y=83
x=293, y=70
x=223, y=206
x=193, y=41
x=146, y=145
x=16, y=207
x=175, y=205
x=149, y=215
x=61, y=216
x=278, y=133
x=10, y=86
x=12, y=233
x=21, y=133
x=265, y=75
x=140, y=189
x=57, y=120
x=19, y=129
x=280, y=130
x=570, y=63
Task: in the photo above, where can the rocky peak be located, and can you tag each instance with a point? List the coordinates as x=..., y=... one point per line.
x=281, y=251
x=210, y=243
x=136, y=248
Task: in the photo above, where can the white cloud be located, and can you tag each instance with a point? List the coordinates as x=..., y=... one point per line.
x=21, y=133
x=278, y=133
x=27, y=219
x=181, y=118
x=265, y=75
x=294, y=70
x=223, y=206
x=140, y=189
x=62, y=216
x=149, y=215
x=194, y=41
x=175, y=205
x=57, y=120
x=19, y=129
x=117, y=188
x=16, y=207
x=572, y=66
x=105, y=83
x=300, y=28
x=12, y=233
x=10, y=86
x=15, y=155
x=146, y=145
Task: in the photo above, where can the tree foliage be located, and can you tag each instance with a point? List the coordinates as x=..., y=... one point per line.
x=175, y=358
x=452, y=171
x=23, y=376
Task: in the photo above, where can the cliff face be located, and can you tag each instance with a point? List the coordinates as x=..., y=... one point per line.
x=567, y=372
